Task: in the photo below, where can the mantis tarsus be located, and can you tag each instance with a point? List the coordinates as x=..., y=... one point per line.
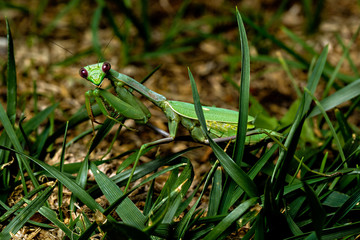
x=222, y=123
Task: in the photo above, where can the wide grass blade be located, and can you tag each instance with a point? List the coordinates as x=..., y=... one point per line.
x=337, y=141
x=66, y=181
x=184, y=224
x=52, y=216
x=127, y=210
x=35, y=121
x=293, y=136
x=16, y=143
x=11, y=78
x=235, y=172
x=344, y=94
x=144, y=169
x=116, y=230
x=18, y=205
x=74, y=121
x=23, y=216
x=119, y=200
x=11, y=108
x=318, y=213
x=345, y=208
x=244, y=93
x=216, y=192
x=231, y=218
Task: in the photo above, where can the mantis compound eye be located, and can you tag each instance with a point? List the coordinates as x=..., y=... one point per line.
x=106, y=67
x=83, y=73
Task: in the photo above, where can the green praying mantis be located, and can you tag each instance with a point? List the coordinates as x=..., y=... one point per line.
x=221, y=123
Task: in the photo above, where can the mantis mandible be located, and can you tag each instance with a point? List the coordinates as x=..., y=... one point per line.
x=221, y=123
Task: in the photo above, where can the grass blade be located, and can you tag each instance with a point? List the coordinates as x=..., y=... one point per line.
x=51, y=215
x=318, y=214
x=345, y=208
x=11, y=78
x=23, y=216
x=340, y=96
x=337, y=141
x=16, y=143
x=66, y=181
x=292, y=139
x=235, y=172
x=127, y=210
x=244, y=93
x=230, y=219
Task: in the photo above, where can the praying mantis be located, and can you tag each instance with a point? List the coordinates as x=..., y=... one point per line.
x=221, y=123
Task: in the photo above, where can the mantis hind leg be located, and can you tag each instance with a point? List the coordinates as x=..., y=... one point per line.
x=141, y=150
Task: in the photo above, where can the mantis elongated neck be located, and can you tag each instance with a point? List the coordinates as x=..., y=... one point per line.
x=154, y=97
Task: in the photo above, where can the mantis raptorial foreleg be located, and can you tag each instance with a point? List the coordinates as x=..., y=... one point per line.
x=221, y=123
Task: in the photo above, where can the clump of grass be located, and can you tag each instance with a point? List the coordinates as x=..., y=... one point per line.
x=304, y=194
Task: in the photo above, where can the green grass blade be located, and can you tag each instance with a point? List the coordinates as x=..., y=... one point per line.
x=244, y=93
x=231, y=218
x=127, y=210
x=18, y=205
x=61, y=169
x=176, y=24
x=184, y=224
x=51, y=215
x=74, y=121
x=337, y=141
x=144, y=169
x=254, y=171
x=312, y=14
x=65, y=10
x=338, y=232
x=318, y=213
x=130, y=16
x=276, y=41
x=293, y=137
x=344, y=94
x=66, y=181
x=235, y=172
x=299, y=41
x=344, y=127
x=290, y=76
x=345, y=208
x=23, y=216
x=216, y=192
x=105, y=128
x=11, y=108
x=150, y=198
x=81, y=177
x=116, y=230
x=346, y=50
x=35, y=122
x=338, y=65
x=16, y=143
x=11, y=77
x=315, y=77
x=119, y=200
x=95, y=21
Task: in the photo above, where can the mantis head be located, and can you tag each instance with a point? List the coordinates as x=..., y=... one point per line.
x=95, y=73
